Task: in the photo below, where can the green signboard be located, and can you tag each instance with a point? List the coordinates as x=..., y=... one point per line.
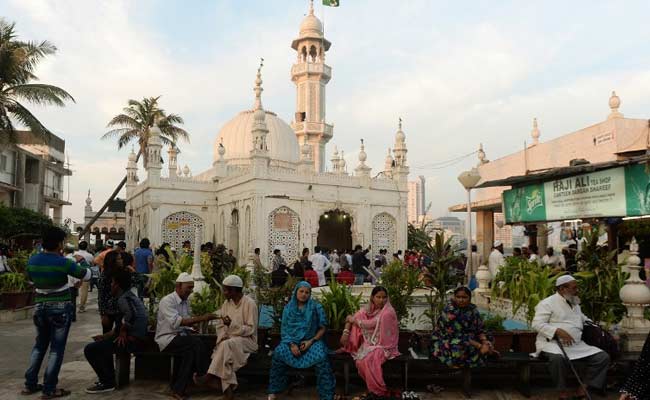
x=616, y=192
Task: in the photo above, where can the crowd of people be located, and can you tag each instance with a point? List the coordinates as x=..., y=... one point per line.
x=459, y=338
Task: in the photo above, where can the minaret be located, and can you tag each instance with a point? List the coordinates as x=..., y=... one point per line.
x=535, y=133
x=260, y=151
x=154, y=166
x=89, y=202
x=614, y=104
x=335, y=160
x=172, y=155
x=131, y=172
x=310, y=74
x=388, y=164
x=362, y=169
x=401, y=169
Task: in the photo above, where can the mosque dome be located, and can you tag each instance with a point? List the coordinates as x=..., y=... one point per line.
x=237, y=138
x=311, y=25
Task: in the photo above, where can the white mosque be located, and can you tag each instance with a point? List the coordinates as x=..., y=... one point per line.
x=269, y=186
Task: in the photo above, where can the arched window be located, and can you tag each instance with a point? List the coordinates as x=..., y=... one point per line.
x=303, y=54
x=312, y=53
x=179, y=227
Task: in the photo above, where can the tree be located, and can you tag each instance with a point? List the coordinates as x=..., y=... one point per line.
x=16, y=222
x=18, y=60
x=134, y=123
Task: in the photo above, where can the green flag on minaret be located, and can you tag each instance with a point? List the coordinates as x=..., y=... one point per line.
x=331, y=3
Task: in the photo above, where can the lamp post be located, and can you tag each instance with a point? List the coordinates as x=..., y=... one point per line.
x=469, y=179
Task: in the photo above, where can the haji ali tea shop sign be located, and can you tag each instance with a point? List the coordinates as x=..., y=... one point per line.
x=616, y=192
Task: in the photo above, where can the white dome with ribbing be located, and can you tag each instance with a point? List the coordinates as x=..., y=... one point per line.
x=237, y=138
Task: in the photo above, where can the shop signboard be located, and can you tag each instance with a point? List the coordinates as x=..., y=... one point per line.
x=616, y=192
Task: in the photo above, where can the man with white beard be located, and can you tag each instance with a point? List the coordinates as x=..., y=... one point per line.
x=558, y=317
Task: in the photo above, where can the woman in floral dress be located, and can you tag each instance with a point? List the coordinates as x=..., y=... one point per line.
x=459, y=339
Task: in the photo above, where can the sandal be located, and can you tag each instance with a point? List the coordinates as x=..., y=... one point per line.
x=57, y=393
x=435, y=388
x=27, y=391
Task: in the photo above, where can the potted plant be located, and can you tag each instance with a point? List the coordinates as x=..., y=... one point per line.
x=338, y=302
x=15, y=291
x=204, y=302
x=493, y=325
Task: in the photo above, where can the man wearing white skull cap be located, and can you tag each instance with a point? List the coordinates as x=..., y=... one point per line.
x=236, y=337
x=559, y=318
x=496, y=259
x=173, y=333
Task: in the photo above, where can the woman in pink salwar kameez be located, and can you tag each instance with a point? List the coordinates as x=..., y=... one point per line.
x=371, y=337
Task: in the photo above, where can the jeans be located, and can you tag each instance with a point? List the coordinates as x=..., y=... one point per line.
x=52, y=321
x=141, y=283
x=359, y=279
x=100, y=357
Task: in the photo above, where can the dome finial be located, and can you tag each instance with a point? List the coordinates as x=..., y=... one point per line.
x=258, y=87
x=535, y=132
x=400, y=123
x=614, y=104
x=311, y=7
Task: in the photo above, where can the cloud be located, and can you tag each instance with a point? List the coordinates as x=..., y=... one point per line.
x=458, y=78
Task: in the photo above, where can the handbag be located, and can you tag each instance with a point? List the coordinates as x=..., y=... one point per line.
x=594, y=335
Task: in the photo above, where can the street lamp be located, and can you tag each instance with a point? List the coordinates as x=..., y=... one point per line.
x=469, y=179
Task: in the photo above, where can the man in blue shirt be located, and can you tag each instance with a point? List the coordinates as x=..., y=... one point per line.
x=128, y=335
x=49, y=272
x=143, y=265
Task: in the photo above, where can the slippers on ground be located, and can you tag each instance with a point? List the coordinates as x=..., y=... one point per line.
x=27, y=391
x=56, y=394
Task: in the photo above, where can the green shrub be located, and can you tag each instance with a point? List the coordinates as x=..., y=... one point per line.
x=13, y=282
x=339, y=302
x=400, y=281
x=494, y=323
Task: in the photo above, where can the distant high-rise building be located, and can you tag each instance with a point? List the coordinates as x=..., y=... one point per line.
x=416, y=200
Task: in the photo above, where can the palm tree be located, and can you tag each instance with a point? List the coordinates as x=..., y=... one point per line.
x=134, y=123
x=18, y=60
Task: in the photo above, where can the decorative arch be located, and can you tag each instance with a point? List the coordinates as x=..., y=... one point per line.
x=179, y=227
x=284, y=233
x=222, y=228
x=233, y=238
x=312, y=53
x=384, y=233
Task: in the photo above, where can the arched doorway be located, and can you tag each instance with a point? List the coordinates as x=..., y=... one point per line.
x=334, y=230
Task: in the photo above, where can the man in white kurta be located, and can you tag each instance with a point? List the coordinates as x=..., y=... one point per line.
x=558, y=317
x=496, y=259
x=236, y=336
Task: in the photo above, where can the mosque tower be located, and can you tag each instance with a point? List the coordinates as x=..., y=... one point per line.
x=310, y=75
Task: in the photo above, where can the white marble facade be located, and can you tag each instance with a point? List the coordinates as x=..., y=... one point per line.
x=268, y=186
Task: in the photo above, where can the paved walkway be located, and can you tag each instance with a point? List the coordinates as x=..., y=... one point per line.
x=16, y=340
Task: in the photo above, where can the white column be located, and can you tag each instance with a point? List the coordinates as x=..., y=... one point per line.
x=636, y=297
x=197, y=275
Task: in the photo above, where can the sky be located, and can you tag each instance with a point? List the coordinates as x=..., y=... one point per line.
x=458, y=73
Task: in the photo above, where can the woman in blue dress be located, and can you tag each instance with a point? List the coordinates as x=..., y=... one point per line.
x=303, y=326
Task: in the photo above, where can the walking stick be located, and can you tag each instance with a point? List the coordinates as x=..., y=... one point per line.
x=575, y=373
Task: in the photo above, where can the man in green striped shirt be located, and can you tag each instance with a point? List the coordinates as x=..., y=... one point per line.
x=49, y=272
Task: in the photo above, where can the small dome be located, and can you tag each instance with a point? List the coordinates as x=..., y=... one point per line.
x=311, y=25
x=237, y=138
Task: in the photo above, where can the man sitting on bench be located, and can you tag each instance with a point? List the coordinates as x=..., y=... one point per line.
x=173, y=334
x=558, y=318
x=236, y=337
x=129, y=333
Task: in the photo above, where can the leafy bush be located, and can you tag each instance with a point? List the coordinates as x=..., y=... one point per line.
x=13, y=282
x=207, y=301
x=400, y=281
x=277, y=298
x=18, y=262
x=163, y=282
x=494, y=323
x=339, y=302
x=599, y=280
x=15, y=222
x=439, y=275
x=524, y=283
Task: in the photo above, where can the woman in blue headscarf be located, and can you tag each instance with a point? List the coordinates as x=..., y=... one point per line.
x=303, y=326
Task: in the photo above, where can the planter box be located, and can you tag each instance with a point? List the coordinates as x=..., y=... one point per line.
x=12, y=301
x=524, y=341
x=503, y=341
